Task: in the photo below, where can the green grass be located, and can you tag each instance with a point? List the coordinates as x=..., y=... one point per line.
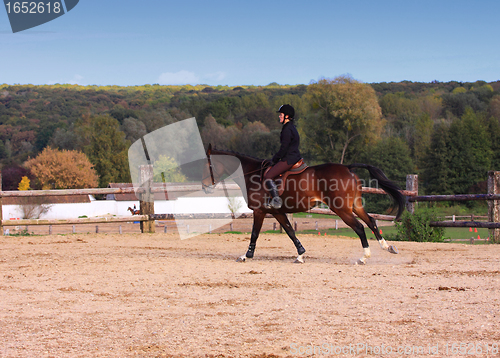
x=312, y=215
x=23, y=233
x=463, y=234
x=478, y=208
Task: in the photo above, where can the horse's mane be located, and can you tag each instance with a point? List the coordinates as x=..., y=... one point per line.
x=237, y=154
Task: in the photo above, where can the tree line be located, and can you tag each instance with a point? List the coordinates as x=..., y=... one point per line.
x=444, y=131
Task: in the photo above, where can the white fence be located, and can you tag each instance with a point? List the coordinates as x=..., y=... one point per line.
x=103, y=208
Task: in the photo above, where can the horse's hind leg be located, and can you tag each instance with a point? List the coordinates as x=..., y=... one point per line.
x=372, y=224
x=285, y=223
x=350, y=219
x=258, y=220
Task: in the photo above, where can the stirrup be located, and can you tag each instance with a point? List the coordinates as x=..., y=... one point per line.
x=274, y=203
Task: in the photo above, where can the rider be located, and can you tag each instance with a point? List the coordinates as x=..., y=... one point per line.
x=287, y=155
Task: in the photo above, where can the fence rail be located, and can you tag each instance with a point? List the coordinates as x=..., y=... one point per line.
x=147, y=204
x=23, y=222
x=458, y=197
x=104, y=191
x=493, y=198
x=479, y=224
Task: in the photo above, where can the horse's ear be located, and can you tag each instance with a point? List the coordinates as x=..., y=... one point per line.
x=209, y=150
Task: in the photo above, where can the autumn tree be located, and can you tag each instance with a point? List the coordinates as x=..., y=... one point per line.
x=24, y=184
x=342, y=111
x=62, y=169
x=218, y=135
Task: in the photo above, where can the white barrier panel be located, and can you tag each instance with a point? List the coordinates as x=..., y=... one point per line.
x=99, y=208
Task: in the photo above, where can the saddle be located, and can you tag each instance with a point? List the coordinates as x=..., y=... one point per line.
x=280, y=180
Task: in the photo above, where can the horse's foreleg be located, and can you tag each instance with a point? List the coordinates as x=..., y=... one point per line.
x=258, y=220
x=285, y=223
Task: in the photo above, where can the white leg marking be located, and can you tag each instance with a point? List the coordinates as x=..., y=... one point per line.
x=242, y=258
x=383, y=244
x=300, y=259
x=366, y=255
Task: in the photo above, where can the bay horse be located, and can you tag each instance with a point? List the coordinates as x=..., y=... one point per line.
x=333, y=184
x=134, y=211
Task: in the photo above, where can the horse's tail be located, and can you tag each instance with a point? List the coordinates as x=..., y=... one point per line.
x=388, y=186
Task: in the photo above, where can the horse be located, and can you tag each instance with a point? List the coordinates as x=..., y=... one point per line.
x=332, y=184
x=134, y=211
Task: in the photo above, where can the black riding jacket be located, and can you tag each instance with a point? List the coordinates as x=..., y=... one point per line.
x=290, y=141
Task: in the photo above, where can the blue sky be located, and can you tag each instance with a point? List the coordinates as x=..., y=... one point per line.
x=126, y=42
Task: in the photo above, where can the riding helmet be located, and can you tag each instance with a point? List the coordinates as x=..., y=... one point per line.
x=286, y=109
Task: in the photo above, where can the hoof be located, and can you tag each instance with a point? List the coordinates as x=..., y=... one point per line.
x=393, y=250
x=299, y=260
x=360, y=262
x=241, y=259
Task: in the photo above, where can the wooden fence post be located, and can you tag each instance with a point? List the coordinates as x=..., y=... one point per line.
x=493, y=205
x=146, y=203
x=411, y=185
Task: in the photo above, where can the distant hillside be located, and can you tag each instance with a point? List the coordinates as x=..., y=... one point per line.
x=242, y=118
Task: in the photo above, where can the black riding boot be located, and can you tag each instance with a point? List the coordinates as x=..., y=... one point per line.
x=276, y=201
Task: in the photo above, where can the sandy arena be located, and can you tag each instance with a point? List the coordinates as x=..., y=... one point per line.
x=154, y=295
